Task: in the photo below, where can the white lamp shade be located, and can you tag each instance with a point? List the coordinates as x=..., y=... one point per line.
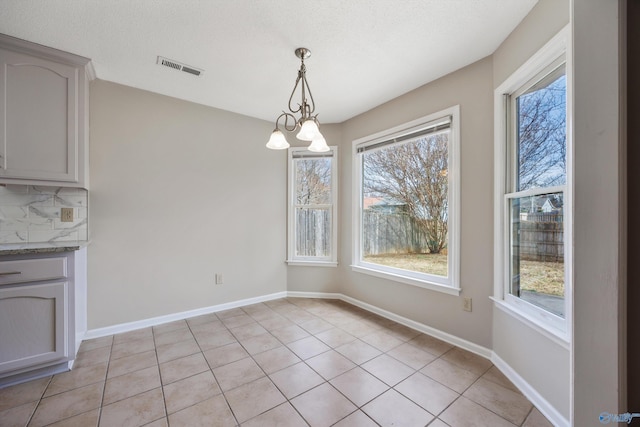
x=319, y=145
x=309, y=131
x=277, y=141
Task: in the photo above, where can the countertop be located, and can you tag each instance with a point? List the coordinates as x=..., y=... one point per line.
x=40, y=248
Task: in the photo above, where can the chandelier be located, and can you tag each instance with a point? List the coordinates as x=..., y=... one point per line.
x=307, y=123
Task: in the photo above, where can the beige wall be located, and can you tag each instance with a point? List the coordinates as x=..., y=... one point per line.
x=599, y=371
x=544, y=21
x=540, y=361
x=179, y=192
x=471, y=88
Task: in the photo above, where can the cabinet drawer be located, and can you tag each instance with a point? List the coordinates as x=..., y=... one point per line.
x=31, y=270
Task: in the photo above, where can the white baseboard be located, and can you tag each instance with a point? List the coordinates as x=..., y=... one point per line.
x=145, y=323
x=320, y=295
x=534, y=397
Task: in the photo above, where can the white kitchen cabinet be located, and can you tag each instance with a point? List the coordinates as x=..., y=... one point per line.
x=43, y=115
x=41, y=323
x=34, y=325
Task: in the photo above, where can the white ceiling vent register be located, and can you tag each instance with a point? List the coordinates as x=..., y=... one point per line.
x=179, y=66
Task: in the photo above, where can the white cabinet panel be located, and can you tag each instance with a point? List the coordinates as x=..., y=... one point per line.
x=33, y=325
x=40, y=99
x=43, y=115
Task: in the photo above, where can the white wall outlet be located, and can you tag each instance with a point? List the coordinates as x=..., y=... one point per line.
x=66, y=215
x=466, y=304
x=219, y=280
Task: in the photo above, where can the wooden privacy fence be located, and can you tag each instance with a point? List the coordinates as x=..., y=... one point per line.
x=313, y=229
x=541, y=237
x=384, y=233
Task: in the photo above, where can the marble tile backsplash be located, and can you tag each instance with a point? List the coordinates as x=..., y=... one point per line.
x=31, y=214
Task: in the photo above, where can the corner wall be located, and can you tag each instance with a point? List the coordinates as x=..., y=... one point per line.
x=179, y=192
x=471, y=88
x=599, y=371
x=540, y=361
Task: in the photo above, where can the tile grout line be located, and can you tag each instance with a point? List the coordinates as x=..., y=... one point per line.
x=44, y=390
x=104, y=387
x=164, y=399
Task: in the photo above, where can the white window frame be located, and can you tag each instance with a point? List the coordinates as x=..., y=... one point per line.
x=292, y=258
x=450, y=284
x=549, y=324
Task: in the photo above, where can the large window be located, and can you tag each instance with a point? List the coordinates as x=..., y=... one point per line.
x=312, y=207
x=406, y=182
x=533, y=192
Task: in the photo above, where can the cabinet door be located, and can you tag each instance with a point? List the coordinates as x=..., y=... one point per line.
x=33, y=325
x=38, y=118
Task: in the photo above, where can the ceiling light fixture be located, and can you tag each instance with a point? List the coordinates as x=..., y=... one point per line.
x=307, y=123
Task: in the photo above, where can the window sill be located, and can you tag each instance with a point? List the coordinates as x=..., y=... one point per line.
x=295, y=263
x=407, y=280
x=560, y=337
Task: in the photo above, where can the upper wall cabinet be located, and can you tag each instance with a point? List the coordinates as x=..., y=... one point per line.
x=44, y=131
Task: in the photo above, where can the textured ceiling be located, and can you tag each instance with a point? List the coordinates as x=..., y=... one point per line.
x=364, y=52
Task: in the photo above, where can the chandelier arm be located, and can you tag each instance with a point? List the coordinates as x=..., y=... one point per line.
x=287, y=116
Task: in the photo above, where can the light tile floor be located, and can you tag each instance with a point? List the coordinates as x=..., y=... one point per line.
x=288, y=362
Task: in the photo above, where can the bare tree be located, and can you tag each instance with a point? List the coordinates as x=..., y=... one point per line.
x=415, y=174
x=313, y=181
x=542, y=136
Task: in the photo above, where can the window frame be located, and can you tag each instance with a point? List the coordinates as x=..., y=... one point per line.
x=451, y=283
x=292, y=258
x=555, y=52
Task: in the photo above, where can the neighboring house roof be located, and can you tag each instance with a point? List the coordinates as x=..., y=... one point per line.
x=380, y=202
x=550, y=203
x=367, y=202
x=544, y=204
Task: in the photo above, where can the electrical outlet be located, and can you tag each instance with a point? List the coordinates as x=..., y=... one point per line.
x=219, y=280
x=467, y=304
x=66, y=214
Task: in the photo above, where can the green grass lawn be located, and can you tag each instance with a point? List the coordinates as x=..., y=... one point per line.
x=536, y=276
x=424, y=263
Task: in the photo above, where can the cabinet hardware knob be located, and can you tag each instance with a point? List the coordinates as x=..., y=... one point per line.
x=10, y=273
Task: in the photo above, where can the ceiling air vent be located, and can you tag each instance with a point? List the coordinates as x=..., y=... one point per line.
x=178, y=66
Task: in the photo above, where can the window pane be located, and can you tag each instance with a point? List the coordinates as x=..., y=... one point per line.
x=537, y=250
x=313, y=181
x=541, y=133
x=313, y=232
x=405, y=205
